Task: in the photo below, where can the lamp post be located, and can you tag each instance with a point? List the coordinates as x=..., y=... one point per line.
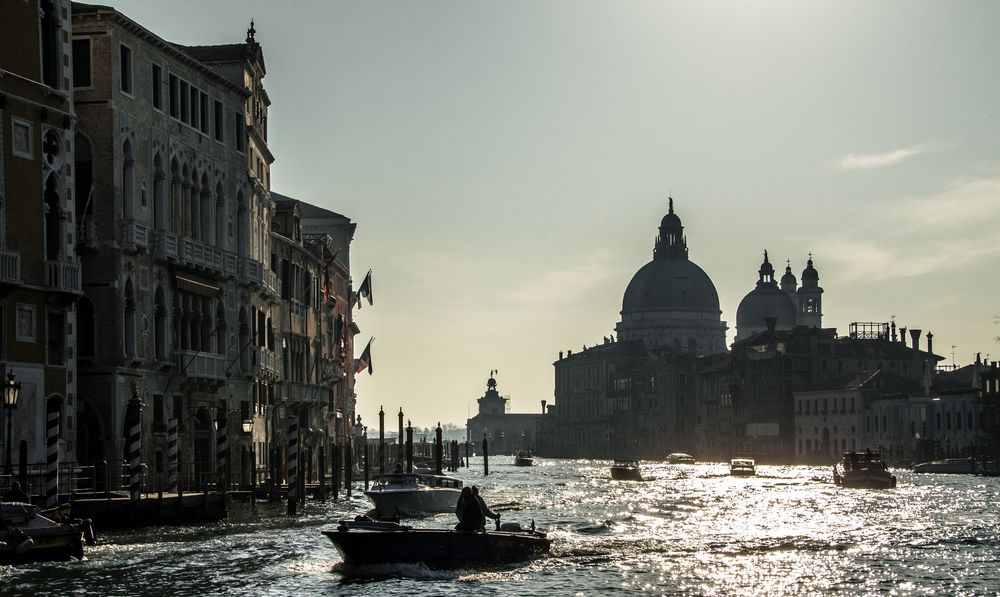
x=11, y=392
x=248, y=431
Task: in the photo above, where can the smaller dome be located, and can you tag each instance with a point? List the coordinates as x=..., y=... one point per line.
x=809, y=275
x=788, y=279
x=671, y=220
x=762, y=303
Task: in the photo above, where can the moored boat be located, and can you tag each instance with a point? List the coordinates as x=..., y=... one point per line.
x=948, y=465
x=403, y=493
x=524, y=458
x=742, y=467
x=28, y=536
x=364, y=543
x=680, y=458
x=864, y=470
x=626, y=470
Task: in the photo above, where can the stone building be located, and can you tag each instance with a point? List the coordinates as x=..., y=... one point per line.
x=39, y=265
x=507, y=432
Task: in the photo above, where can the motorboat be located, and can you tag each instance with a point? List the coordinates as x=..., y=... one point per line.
x=742, y=467
x=26, y=535
x=524, y=458
x=404, y=493
x=863, y=469
x=367, y=542
x=680, y=458
x=948, y=465
x=626, y=470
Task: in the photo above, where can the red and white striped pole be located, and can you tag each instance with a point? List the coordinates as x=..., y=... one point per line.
x=293, y=464
x=52, y=459
x=221, y=449
x=172, y=456
x=133, y=420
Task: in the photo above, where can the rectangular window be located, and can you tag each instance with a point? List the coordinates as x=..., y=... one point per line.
x=55, y=334
x=178, y=410
x=175, y=92
x=240, y=131
x=194, y=107
x=157, y=82
x=203, y=105
x=26, y=330
x=125, y=70
x=158, y=419
x=185, y=96
x=219, y=121
x=81, y=63
x=22, y=140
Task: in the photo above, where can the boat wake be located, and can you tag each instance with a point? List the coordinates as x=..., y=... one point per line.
x=376, y=572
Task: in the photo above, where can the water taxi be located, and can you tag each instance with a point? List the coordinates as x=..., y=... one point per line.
x=863, y=469
x=626, y=470
x=524, y=458
x=405, y=493
x=742, y=467
x=680, y=458
x=948, y=465
x=28, y=536
x=365, y=542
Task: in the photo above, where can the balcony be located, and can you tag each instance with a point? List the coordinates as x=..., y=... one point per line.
x=206, y=257
x=306, y=393
x=266, y=361
x=250, y=271
x=63, y=276
x=165, y=246
x=10, y=267
x=135, y=235
x=272, y=286
x=200, y=364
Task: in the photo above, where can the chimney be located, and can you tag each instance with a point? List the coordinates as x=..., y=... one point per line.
x=543, y=407
x=771, y=323
x=893, y=331
x=915, y=336
x=930, y=342
x=902, y=335
x=560, y=355
x=569, y=352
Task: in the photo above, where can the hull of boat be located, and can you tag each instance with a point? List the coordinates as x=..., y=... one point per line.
x=523, y=462
x=437, y=548
x=742, y=473
x=946, y=466
x=48, y=544
x=626, y=474
x=867, y=479
x=392, y=501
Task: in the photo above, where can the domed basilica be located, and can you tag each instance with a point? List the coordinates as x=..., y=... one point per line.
x=671, y=302
x=788, y=306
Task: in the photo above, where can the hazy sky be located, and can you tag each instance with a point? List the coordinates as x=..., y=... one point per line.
x=508, y=163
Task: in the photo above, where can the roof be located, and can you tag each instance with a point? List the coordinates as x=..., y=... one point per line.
x=671, y=284
x=879, y=380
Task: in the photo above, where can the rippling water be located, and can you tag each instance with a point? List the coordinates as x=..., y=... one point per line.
x=689, y=529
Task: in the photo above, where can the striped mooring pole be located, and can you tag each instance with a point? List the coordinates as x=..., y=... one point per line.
x=293, y=464
x=52, y=460
x=221, y=451
x=172, y=456
x=133, y=420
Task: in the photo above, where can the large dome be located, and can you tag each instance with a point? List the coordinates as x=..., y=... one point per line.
x=764, y=302
x=676, y=284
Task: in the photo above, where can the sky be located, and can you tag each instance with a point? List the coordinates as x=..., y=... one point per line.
x=508, y=163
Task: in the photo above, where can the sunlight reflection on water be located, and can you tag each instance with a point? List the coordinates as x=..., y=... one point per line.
x=688, y=529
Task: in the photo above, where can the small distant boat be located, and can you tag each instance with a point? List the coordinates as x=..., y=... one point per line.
x=364, y=543
x=863, y=469
x=28, y=536
x=948, y=465
x=742, y=467
x=626, y=470
x=524, y=458
x=680, y=458
x=402, y=493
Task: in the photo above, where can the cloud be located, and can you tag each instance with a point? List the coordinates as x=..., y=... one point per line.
x=871, y=161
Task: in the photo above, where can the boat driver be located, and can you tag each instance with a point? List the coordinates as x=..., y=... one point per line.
x=484, y=510
x=467, y=511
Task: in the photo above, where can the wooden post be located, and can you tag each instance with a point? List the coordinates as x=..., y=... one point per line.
x=335, y=482
x=293, y=464
x=399, y=451
x=322, y=474
x=367, y=450
x=438, y=451
x=172, y=456
x=409, y=448
x=348, y=468
x=486, y=457
x=133, y=418
x=381, y=441
x=52, y=459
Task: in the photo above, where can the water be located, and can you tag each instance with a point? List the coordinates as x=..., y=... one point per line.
x=688, y=530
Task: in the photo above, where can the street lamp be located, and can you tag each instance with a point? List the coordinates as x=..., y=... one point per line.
x=11, y=392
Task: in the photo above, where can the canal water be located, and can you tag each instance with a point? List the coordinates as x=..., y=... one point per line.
x=687, y=530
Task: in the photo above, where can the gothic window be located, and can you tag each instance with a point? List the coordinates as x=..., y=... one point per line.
x=220, y=217
x=53, y=219
x=81, y=62
x=220, y=328
x=242, y=222
x=125, y=70
x=159, y=190
x=156, y=81
x=55, y=332
x=206, y=226
x=51, y=54
x=244, y=333
x=207, y=326
x=128, y=182
x=160, y=325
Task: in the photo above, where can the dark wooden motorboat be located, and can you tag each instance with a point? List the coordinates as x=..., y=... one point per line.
x=364, y=543
x=28, y=536
x=863, y=469
x=524, y=458
x=626, y=470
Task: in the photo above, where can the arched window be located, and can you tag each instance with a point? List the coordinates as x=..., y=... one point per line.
x=244, y=340
x=194, y=206
x=160, y=214
x=128, y=328
x=53, y=219
x=128, y=181
x=220, y=217
x=206, y=225
x=83, y=178
x=160, y=325
x=176, y=197
x=242, y=223
x=220, y=328
x=207, y=325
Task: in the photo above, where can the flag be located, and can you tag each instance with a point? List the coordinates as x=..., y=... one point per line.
x=365, y=362
x=365, y=290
